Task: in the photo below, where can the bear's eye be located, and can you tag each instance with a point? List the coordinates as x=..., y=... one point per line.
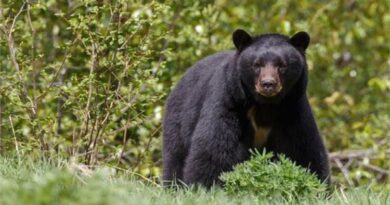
x=280, y=63
x=258, y=64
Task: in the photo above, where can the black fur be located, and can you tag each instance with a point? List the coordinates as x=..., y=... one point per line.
x=206, y=128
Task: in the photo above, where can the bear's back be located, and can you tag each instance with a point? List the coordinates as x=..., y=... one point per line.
x=194, y=83
x=185, y=102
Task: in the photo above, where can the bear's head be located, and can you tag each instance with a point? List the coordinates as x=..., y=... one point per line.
x=271, y=65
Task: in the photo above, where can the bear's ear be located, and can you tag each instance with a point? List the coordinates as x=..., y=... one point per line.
x=300, y=40
x=241, y=39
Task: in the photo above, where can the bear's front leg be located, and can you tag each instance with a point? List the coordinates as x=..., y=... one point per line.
x=213, y=150
x=298, y=138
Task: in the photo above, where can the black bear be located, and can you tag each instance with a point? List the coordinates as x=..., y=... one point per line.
x=230, y=102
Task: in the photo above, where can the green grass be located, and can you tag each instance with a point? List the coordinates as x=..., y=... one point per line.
x=58, y=182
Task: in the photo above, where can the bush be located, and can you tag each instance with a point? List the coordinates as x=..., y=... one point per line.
x=269, y=178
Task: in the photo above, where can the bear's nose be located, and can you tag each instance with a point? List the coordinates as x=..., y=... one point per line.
x=268, y=84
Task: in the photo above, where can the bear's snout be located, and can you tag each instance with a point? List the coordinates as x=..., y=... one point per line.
x=268, y=83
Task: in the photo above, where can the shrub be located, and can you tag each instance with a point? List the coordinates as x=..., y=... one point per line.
x=265, y=177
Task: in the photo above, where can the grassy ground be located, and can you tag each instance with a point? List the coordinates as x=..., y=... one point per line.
x=56, y=182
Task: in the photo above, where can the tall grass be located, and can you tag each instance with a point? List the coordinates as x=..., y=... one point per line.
x=59, y=182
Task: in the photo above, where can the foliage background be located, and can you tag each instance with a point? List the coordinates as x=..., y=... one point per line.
x=86, y=80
